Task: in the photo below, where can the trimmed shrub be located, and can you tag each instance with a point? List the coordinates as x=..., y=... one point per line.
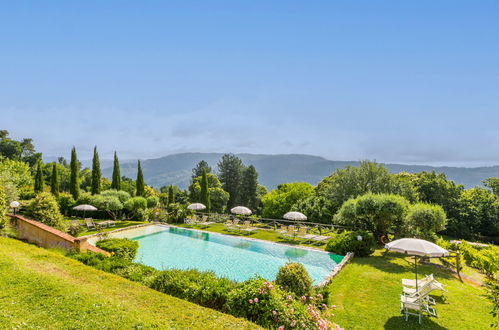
x=203, y=288
x=349, y=242
x=120, y=247
x=45, y=209
x=293, y=277
x=152, y=201
x=137, y=272
x=99, y=261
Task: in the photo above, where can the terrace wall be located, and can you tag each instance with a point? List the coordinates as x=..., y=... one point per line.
x=45, y=236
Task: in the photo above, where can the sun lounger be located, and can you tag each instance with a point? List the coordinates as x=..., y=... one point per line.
x=90, y=223
x=290, y=232
x=302, y=233
x=434, y=284
x=423, y=292
x=204, y=221
x=247, y=227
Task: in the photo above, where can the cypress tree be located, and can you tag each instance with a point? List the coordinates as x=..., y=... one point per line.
x=171, y=195
x=205, y=192
x=116, y=184
x=75, y=175
x=54, y=181
x=139, y=184
x=96, y=173
x=38, y=187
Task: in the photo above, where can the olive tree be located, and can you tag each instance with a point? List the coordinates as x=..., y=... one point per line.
x=378, y=213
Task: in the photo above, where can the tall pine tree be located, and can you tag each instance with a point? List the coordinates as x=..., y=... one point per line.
x=139, y=184
x=38, y=187
x=198, y=170
x=205, y=192
x=96, y=174
x=249, y=187
x=75, y=175
x=171, y=195
x=116, y=183
x=230, y=169
x=54, y=181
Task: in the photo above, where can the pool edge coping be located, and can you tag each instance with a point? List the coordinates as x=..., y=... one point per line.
x=326, y=280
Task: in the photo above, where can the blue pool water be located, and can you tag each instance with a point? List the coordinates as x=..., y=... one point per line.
x=231, y=257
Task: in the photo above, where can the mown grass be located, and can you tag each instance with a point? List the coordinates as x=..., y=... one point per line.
x=366, y=293
x=119, y=224
x=263, y=234
x=44, y=289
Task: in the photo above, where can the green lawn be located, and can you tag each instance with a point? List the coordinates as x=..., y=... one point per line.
x=119, y=224
x=45, y=290
x=264, y=234
x=367, y=292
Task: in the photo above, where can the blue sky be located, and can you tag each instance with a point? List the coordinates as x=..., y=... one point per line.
x=397, y=81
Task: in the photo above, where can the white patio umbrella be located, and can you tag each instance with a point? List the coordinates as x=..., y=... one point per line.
x=295, y=216
x=196, y=206
x=242, y=210
x=84, y=208
x=416, y=247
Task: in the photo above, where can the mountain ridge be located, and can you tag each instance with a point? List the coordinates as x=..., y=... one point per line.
x=274, y=169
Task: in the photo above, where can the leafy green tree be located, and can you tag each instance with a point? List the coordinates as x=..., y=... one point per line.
x=198, y=170
x=109, y=203
x=378, y=213
x=135, y=204
x=205, y=192
x=116, y=183
x=123, y=196
x=75, y=175
x=424, y=220
x=434, y=188
x=139, y=183
x=152, y=201
x=230, y=169
x=38, y=187
x=478, y=215
x=492, y=184
x=249, y=188
x=54, y=181
x=316, y=208
x=195, y=186
x=280, y=201
x=350, y=182
x=15, y=177
x=96, y=174
x=23, y=150
x=45, y=209
x=218, y=199
x=128, y=185
x=65, y=202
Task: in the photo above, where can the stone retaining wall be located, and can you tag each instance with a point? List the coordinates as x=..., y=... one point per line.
x=45, y=236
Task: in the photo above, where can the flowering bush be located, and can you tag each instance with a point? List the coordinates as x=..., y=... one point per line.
x=267, y=305
x=293, y=277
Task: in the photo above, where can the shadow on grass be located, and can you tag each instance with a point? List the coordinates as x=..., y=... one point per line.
x=399, y=322
x=396, y=263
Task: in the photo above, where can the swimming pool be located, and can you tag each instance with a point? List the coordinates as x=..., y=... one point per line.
x=232, y=257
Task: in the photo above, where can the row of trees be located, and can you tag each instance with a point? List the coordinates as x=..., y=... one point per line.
x=74, y=179
x=470, y=212
x=235, y=184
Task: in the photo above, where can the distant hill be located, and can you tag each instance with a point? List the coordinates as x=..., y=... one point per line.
x=275, y=169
